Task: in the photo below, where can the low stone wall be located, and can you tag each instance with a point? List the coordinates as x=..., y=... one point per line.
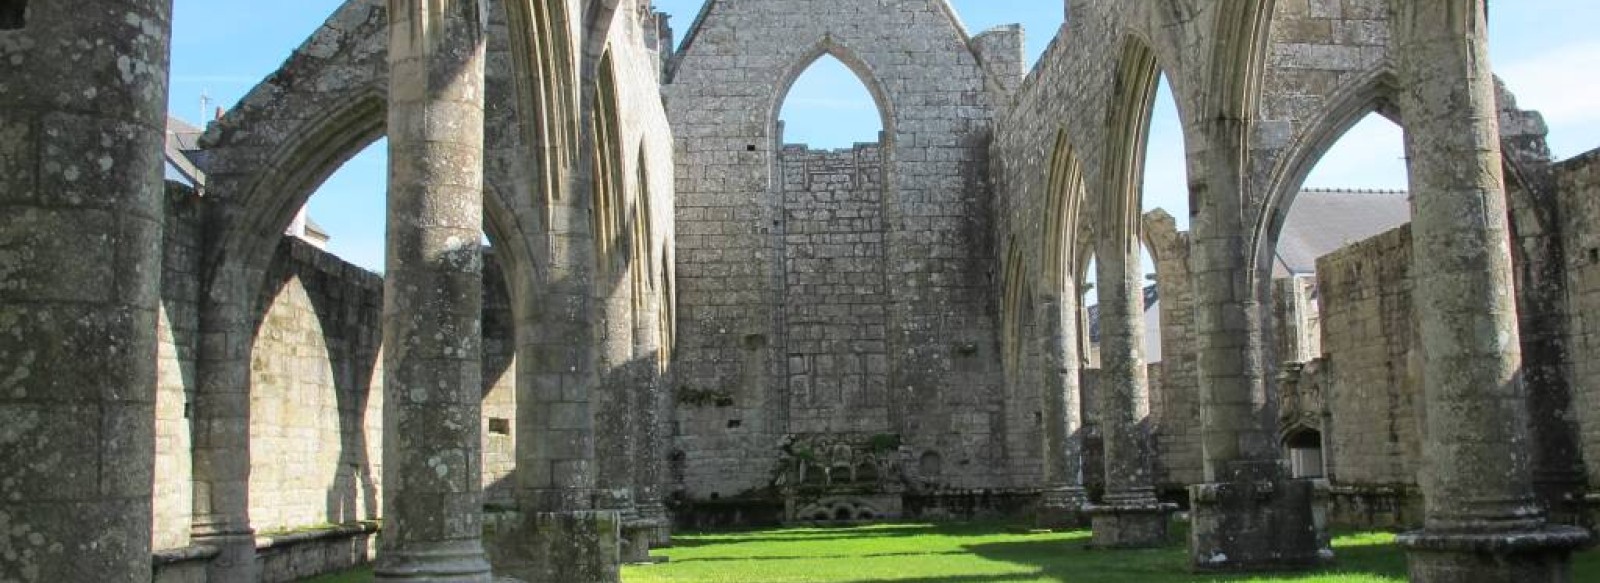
x=182, y=565
x=301, y=555
x=281, y=558
x=1375, y=507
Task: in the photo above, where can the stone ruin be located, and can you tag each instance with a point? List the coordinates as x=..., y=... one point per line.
x=685, y=320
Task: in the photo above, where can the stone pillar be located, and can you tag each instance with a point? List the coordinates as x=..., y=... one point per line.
x=81, y=212
x=220, y=422
x=1248, y=515
x=615, y=414
x=1484, y=522
x=650, y=471
x=1062, y=500
x=555, y=534
x=433, y=295
x=1129, y=515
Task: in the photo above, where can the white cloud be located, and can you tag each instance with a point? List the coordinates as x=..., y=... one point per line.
x=1559, y=83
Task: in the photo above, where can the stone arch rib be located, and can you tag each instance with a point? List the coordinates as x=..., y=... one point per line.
x=1064, y=198
x=298, y=166
x=543, y=73
x=609, y=216
x=1373, y=92
x=864, y=73
x=1127, y=138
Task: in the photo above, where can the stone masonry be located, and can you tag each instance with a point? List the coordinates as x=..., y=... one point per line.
x=685, y=317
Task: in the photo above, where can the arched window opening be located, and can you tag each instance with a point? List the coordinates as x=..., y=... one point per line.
x=1304, y=449
x=1164, y=187
x=829, y=107
x=1356, y=191
x=346, y=215
x=830, y=224
x=1369, y=156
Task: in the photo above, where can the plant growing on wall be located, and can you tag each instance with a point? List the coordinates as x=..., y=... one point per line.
x=703, y=397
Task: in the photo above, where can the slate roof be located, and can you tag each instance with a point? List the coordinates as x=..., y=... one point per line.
x=1322, y=221
x=183, y=151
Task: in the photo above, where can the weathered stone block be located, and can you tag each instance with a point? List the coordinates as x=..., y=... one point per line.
x=1257, y=524
x=565, y=547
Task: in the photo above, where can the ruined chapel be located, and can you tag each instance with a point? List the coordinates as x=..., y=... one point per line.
x=618, y=302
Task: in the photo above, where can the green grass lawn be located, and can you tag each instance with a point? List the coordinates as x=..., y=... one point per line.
x=971, y=553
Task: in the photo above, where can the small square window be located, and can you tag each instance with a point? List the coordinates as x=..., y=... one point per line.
x=13, y=14
x=499, y=426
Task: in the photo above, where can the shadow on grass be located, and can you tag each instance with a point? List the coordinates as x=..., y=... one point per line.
x=818, y=557
x=818, y=534
x=1361, y=558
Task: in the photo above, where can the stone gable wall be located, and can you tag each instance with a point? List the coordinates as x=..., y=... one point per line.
x=937, y=99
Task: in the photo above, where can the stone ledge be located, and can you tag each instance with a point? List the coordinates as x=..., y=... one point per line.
x=184, y=554
x=266, y=542
x=1550, y=538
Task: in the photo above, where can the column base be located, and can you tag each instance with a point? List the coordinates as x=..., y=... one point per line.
x=1268, y=524
x=638, y=537
x=452, y=562
x=1062, y=509
x=1540, y=556
x=235, y=561
x=1130, y=526
x=661, y=536
x=555, y=547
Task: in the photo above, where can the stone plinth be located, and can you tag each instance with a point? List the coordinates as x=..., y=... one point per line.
x=1062, y=508
x=1130, y=526
x=1256, y=525
x=638, y=537
x=661, y=530
x=555, y=547
x=1515, y=557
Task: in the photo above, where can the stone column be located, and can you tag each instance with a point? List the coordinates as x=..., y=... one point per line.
x=1248, y=515
x=650, y=471
x=220, y=421
x=1129, y=515
x=81, y=211
x=1062, y=500
x=1483, y=522
x=615, y=416
x=555, y=534
x=433, y=295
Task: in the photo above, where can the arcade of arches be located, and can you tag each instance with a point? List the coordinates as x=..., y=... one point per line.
x=685, y=321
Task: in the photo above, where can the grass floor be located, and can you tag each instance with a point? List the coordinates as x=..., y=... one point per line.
x=971, y=553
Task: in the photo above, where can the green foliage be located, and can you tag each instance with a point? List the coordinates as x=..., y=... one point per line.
x=885, y=442
x=703, y=397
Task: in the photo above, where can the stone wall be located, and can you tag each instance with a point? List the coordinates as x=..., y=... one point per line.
x=726, y=86
x=1579, y=186
x=499, y=383
x=835, y=317
x=316, y=391
x=315, y=405
x=177, y=334
x=1368, y=342
x=1174, y=382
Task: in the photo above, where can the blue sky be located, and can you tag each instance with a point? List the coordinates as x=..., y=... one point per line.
x=222, y=48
